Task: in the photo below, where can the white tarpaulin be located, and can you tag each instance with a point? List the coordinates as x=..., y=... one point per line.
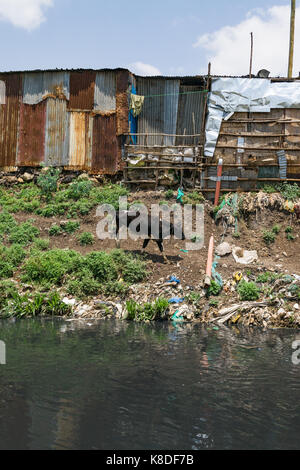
x=255, y=95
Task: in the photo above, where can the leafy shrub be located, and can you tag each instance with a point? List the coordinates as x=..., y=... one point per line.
x=83, y=285
x=134, y=271
x=248, y=290
x=101, y=265
x=276, y=229
x=214, y=288
x=55, y=230
x=288, y=229
x=79, y=189
x=42, y=244
x=51, y=266
x=108, y=194
x=116, y=288
x=26, y=305
x=7, y=291
x=267, y=277
x=147, y=311
x=169, y=194
x=23, y=234
x=290, y=237
x=71, y=226
x=86, y=238
x=269, y=237
x=47, y=181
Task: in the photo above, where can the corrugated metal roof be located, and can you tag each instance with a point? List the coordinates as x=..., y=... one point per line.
x=31, y=148
x=105, y=92
x=105, y=144
x=9, y=120
x=38, y=86
x=82, y=87
x=57, y=133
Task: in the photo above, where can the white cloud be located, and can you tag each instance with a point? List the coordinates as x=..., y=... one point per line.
x=27, y=14
x=140, y=68
x=228, y=49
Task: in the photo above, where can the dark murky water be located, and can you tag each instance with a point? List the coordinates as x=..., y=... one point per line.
x=117, y=385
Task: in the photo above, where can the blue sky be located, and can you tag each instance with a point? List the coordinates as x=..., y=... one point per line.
x=168, y=37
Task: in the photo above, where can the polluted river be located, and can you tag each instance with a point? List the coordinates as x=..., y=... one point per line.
x=111, y=384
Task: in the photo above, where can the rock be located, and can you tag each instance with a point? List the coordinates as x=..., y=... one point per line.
x=281, y=312
x=83, y=176
x=27, y=177
x=20, y=180
x=296, y=307
x=10, y=179
x=284, y=254
x=223, y=249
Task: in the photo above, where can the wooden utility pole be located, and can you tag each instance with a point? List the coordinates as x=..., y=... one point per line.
x=251, y=55
x=292, y=38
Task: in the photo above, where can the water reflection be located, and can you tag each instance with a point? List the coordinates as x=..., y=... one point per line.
x=117, y=385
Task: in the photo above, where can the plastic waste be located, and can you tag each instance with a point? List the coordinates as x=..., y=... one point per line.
x=175, y=300
x=174, y=279
x=180, y=195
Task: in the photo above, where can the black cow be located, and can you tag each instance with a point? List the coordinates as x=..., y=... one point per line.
x=146, y=234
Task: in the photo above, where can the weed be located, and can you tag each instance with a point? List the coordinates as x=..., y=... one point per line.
x=47, y=181
x=86, y=238
x=23, y=234
x=214, y=288
x=288, y=229
x=79, y=189
x=71, y=226
x=42, y=244
x=290, y=237
x=169, y=194
x=213, y=303
x=55, y=230
x=116, y=288
x=248, y=290
x=276, y=229
x=269, y=237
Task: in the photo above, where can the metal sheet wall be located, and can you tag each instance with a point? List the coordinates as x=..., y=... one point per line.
x=171, y=109
x=9, y=120
x=151, y=119
x=57, y=133
x=122, y=105
x=82, y=88
x=105, y=144
x=105, y=92
x=190, y=112
x=81, y=125
x=31, y=148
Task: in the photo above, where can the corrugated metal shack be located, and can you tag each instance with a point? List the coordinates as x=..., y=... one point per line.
x=68, y=118
x=82, y=120
x=253, y=125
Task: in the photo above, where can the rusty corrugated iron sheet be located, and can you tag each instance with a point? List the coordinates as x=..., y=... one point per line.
x=82, y=90
x=9, y=119
x=81, y=125
x=39, y=86
x=57, y=133
x=105, y=92
x=105, y=144
x=122, y=105
x=31, y=148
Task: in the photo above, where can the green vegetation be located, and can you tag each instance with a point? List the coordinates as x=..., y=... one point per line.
x=193, y=197
x=291, y=192
x=148, y=311
x=86, y=238
x=248, y=290
x=269, y=237
x=214, y=288
x=26, y=305
x=276, y=229
x=267, y=277
x=169, y=194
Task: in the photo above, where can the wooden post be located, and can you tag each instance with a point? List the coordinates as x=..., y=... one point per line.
x=218, y=185
x=251, y=56
x=292, y=38
x=207, y=280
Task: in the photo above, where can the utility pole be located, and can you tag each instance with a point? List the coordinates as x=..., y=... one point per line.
x=251, y=55
x=292, y=38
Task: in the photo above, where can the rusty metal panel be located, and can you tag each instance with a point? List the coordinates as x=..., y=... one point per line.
x=105, y=144
x=57, y=133
x=190, y=112
x=33, y=86
x=57, y=84
x=79, y=122
x=31, y=148
x=2, y=92
x=105, y=92
x=82, y=90
x=9, y=119
x=122, y=104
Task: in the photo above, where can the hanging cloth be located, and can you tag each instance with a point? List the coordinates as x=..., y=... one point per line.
x=136, y=104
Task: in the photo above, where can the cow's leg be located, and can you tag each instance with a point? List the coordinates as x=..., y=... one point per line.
x=161, y=248
x=146, y=241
